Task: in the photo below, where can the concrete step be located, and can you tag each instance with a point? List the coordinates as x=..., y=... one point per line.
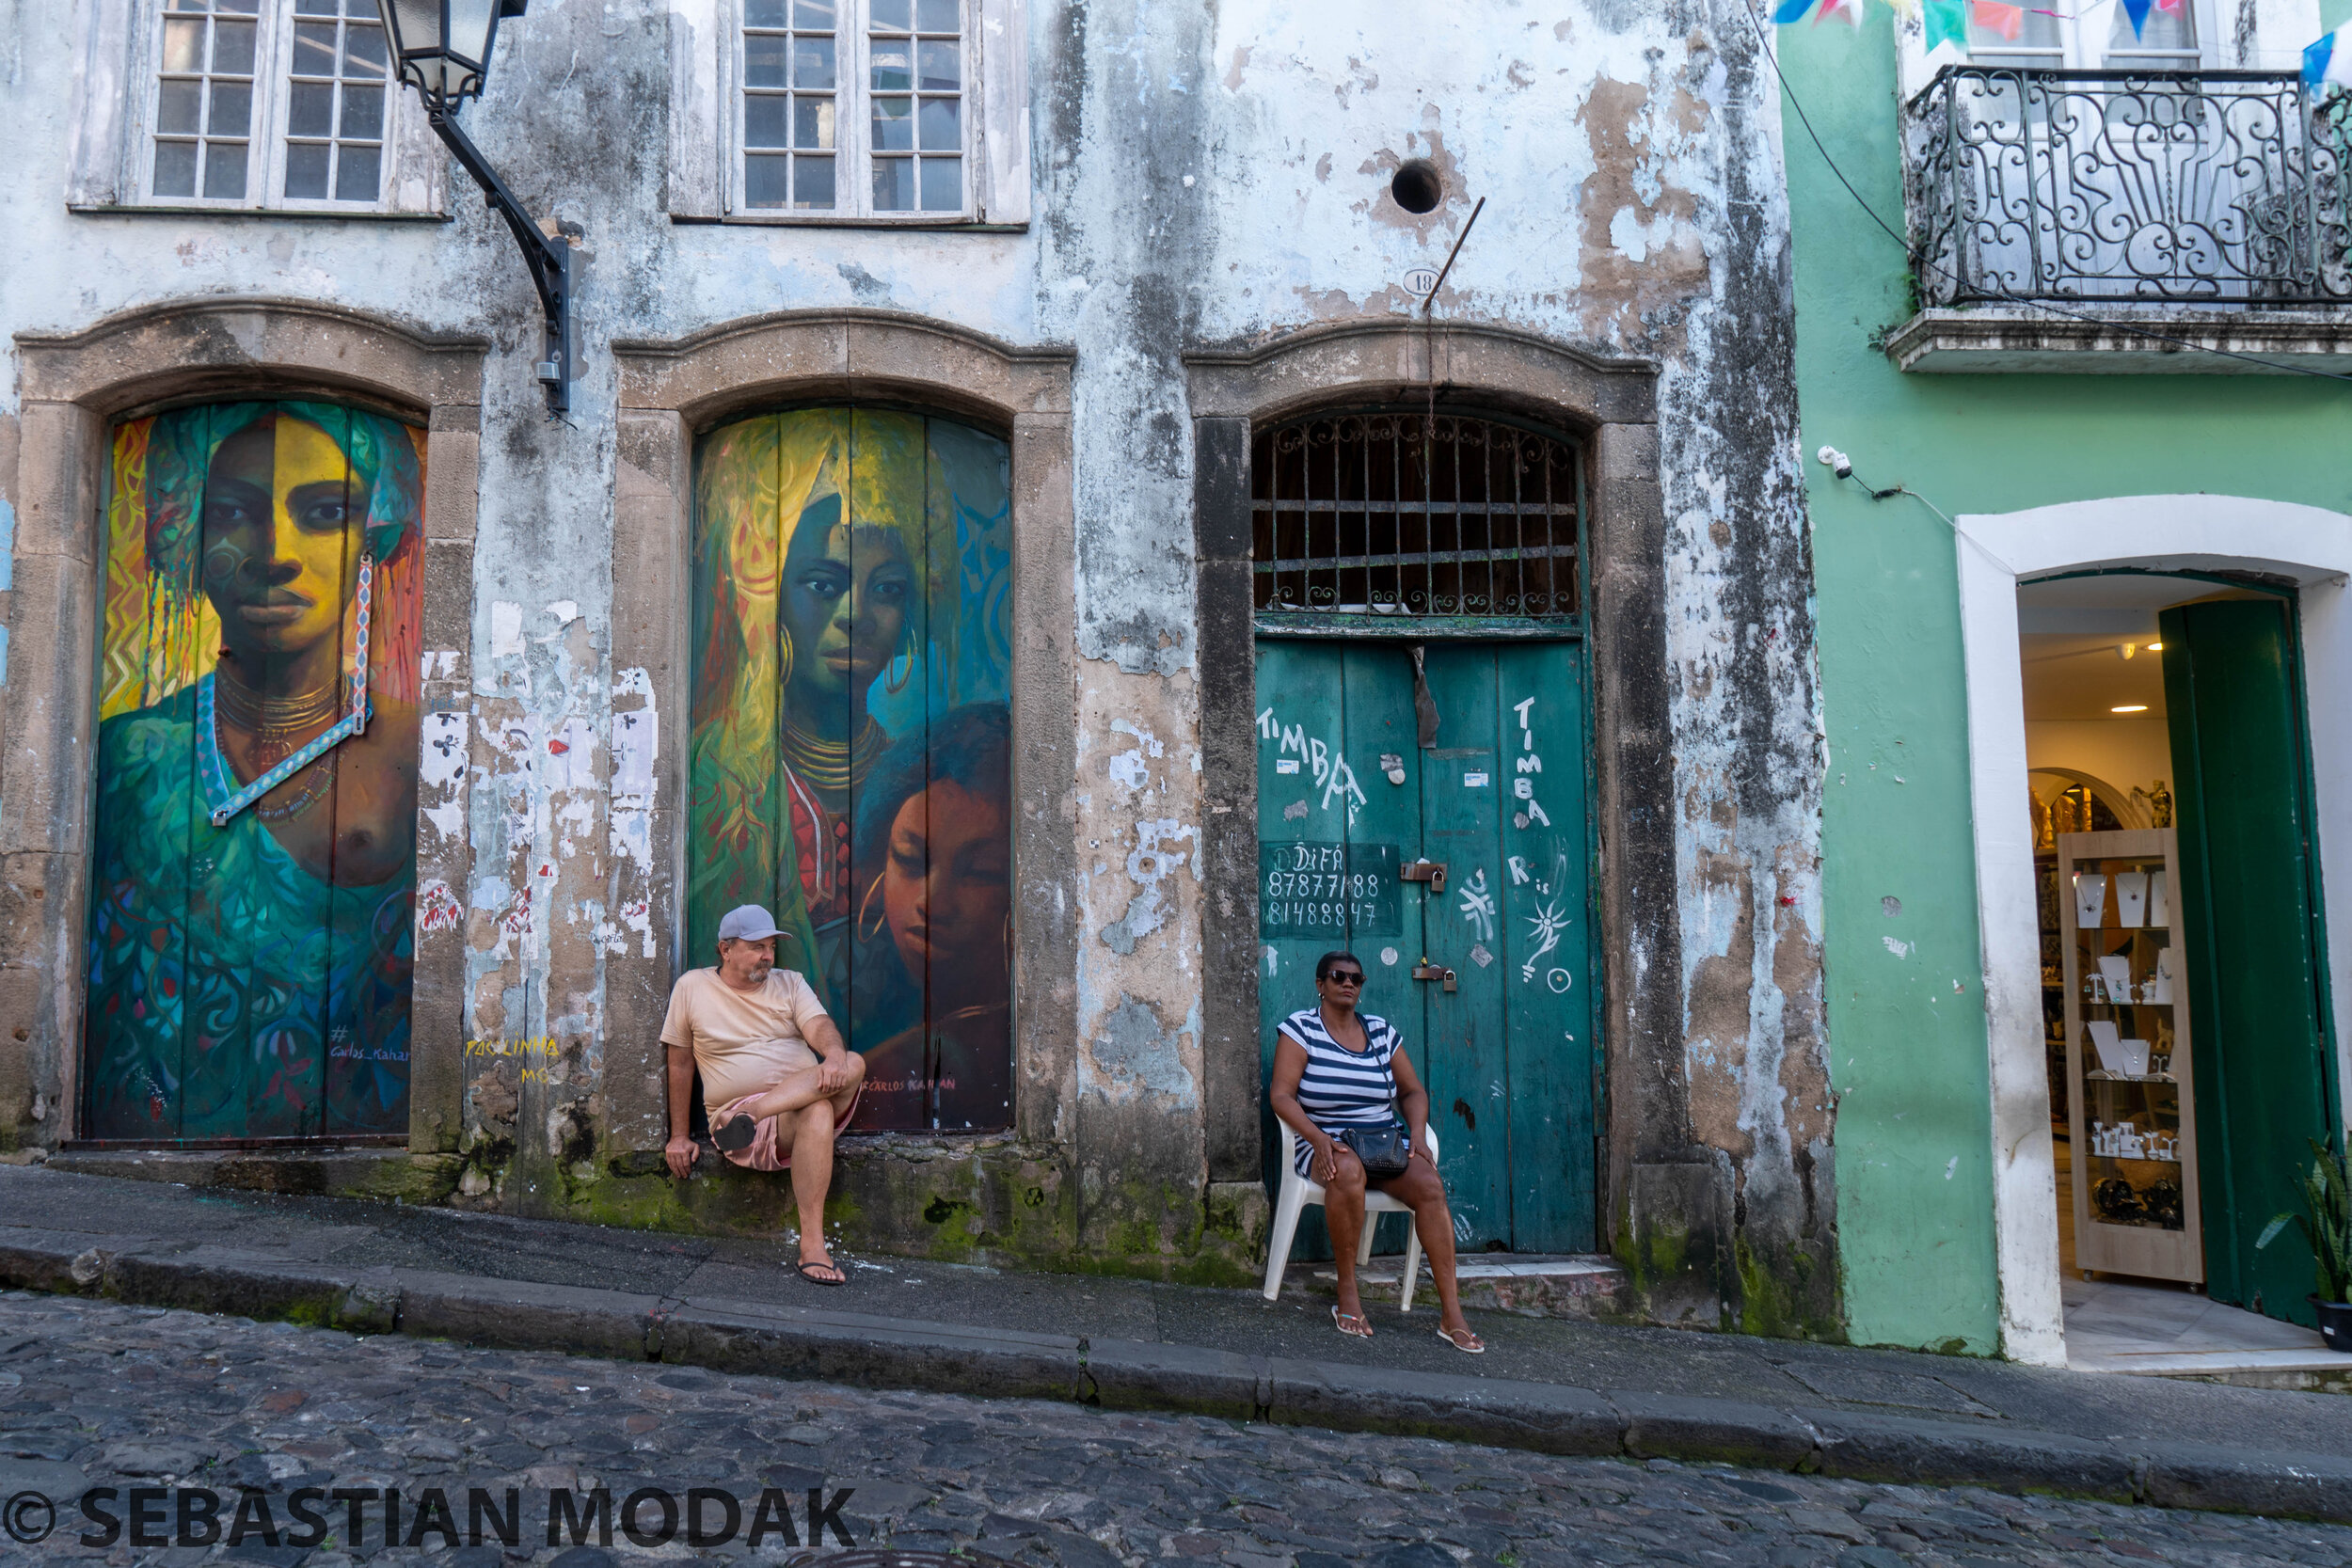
x=1591, y=1286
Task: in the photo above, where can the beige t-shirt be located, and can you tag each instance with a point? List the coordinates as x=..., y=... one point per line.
x=743, y=1041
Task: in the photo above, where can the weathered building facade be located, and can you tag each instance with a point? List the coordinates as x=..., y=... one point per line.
x=1046, y=307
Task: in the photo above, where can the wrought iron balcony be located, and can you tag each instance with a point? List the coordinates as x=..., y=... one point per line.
x=2199, y=188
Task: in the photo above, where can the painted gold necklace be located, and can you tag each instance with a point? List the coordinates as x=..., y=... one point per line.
x=276, y=724
x=833, y=765
x=221, y=792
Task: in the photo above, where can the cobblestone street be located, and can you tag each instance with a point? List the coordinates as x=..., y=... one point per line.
x=187, y=1404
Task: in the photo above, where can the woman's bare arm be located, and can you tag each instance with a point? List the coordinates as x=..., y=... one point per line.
x=1290, y=1065
x=1412, y=1101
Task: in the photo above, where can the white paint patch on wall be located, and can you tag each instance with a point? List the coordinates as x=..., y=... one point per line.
x=506, y=630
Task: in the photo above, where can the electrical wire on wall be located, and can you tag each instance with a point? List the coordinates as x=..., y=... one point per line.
x=1840, y=463
x=1764, y=43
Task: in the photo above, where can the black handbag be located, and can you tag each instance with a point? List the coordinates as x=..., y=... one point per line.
x=1383, y=1151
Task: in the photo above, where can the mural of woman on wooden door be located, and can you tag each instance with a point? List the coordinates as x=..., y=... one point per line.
x=250, y=945
x=852, y=574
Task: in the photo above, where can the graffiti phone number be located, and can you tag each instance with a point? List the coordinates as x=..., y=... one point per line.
x=1314, y=888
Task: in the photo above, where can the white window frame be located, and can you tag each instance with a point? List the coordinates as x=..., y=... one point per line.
x=2083, y=37
x=706, y=171
x=114, y=122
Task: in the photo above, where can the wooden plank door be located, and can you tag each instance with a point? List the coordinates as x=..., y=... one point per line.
x=1510, y=1049
x=2249, y=882
x=1333, y=829
x=1547, y=970
x=1346, y=795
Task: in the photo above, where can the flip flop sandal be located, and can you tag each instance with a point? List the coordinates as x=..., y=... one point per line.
x=1340, y=1320
x=736, y=1136
x=1477, y=1346
x=802, y=1267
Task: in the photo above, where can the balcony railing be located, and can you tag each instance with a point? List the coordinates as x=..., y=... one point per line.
x=2192, y=188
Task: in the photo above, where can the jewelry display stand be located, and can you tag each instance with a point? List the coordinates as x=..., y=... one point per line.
x=2134, y=1122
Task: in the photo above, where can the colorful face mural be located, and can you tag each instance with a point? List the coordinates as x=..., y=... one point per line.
x=250, y=947
x=852, y=758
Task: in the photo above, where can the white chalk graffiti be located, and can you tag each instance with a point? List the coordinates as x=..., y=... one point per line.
x=1478, y=905
x=1547, y=924
x=1530, y=762
x=1294, y=747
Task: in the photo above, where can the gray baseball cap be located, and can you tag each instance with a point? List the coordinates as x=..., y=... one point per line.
x=747, y=923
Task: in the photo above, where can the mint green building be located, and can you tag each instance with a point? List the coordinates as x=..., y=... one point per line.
x=2087, y=819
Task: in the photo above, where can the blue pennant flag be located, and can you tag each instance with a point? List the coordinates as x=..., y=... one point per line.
x=1791, y=10
x=2137, y=11
x=2329, y=59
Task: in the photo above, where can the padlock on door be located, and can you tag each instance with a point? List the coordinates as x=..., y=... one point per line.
x=1427, y=971
x=1432, y=872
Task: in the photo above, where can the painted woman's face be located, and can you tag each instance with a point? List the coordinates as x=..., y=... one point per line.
x=281, y=556
x=948, y=888
x=845, y=603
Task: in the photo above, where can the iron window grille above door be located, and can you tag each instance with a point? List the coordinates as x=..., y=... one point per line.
x=1372, y=519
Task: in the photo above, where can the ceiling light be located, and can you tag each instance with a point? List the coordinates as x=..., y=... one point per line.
x=2155, y=647
x=2129, y=707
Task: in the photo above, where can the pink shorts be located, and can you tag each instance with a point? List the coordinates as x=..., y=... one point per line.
x=760, y=1154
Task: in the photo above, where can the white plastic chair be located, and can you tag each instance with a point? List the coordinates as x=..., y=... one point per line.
x=1297, y=1191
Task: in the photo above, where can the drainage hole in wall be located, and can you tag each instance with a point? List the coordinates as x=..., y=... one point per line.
x=1418, y=188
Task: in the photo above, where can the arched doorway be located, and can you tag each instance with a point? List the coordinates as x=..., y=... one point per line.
x=2280, y=632
x=851, y=745
x=249, y=945
x=1421, y=703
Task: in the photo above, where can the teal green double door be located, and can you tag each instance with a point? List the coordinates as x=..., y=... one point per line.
x=1350, y=806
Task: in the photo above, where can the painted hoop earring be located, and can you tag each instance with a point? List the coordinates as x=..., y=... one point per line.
x=784, y=637
x=894, y=685
x=859, y=929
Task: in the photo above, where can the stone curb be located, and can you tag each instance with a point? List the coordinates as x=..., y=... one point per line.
x=1127, y=1375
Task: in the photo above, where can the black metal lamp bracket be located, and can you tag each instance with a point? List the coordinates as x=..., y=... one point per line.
x=550, y=259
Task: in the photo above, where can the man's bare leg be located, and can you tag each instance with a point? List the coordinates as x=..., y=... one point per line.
x=794, y=1092
x=806, y=1137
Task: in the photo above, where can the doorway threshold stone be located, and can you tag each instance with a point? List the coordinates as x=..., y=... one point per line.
x=2161, y=1330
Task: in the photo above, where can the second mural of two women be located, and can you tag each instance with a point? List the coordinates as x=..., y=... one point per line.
x=851, y=753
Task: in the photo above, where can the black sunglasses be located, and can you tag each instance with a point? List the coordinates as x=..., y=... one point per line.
x=1345, y=976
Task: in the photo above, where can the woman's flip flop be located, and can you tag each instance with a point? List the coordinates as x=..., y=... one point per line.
x=802, y=1267
x=736, y=1136
x=1340, y=1320
x=1475, y=1347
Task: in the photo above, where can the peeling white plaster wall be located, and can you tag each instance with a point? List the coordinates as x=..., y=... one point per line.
x=1202, y=176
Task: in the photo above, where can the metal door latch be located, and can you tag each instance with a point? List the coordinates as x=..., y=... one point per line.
x=1427, y=971
x=1432, y=872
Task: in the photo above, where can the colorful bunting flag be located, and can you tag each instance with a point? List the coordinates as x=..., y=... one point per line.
x=1787, y=11
x=2137, y=11
x=2329, y=59
x=1947, y=22
x=1994, y=16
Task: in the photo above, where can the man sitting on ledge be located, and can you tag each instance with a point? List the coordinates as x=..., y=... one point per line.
x=776, y=1076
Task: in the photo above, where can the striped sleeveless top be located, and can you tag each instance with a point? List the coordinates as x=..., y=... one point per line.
x=1342, y=1087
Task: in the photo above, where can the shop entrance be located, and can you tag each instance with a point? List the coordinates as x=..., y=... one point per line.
x=1458, y=871
x=2182, y=963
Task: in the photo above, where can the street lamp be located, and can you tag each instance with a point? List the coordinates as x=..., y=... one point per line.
x=442, y=48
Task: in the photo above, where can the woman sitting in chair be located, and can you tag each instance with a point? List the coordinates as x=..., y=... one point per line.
x=1336, y=1069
